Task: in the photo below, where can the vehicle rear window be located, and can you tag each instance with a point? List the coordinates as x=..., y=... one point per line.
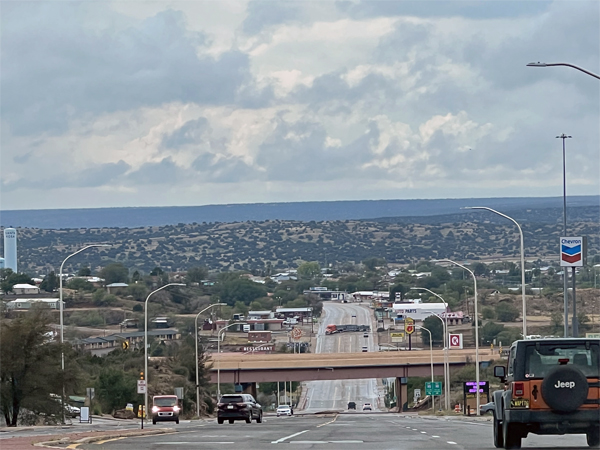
x=232, y=399
x=539, y=360
x=165, y=401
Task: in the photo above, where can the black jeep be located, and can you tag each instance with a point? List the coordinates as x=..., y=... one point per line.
x=551, y=387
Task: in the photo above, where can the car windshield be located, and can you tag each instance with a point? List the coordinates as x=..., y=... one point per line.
x=232, y=399
x=540, y=359
x=165, y=401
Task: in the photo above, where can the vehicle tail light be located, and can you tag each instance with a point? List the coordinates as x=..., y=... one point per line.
x=518, y=389
x=242, y=405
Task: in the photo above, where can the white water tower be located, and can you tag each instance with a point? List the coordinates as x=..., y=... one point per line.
x=10, y=249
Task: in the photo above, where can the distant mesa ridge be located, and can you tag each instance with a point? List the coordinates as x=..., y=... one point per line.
x=131, y=217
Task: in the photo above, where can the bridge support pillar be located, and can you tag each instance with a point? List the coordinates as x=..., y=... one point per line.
x=401, y=389
x=249, y=388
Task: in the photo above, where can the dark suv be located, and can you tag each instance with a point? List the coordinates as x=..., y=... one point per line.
x=551, y=387
x=239, y=407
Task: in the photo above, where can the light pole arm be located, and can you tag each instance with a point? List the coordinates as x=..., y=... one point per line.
x=146, y=375
x=522, y=260
x=581, y=69
x=197, y=363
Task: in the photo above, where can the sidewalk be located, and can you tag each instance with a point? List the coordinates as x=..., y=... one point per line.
x=53, y=440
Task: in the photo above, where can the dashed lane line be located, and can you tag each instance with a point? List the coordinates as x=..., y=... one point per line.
x=451, y=442
x=278, y=441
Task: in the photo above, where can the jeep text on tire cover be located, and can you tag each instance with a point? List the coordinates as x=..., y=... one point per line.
x=552, y=387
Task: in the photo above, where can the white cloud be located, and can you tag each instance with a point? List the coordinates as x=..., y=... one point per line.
x=255, y=101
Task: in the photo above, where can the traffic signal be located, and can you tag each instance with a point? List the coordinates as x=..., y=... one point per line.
x=141, y=375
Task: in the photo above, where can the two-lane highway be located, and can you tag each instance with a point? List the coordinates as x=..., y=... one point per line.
x=335, y=394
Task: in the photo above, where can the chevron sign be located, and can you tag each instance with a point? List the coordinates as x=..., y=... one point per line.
x=571, y=251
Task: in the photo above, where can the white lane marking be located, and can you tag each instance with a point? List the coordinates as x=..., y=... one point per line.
x=423, y=432
x=308, y=442
x=327, y=442
x=288, y=437
x=194, y=442
x=450, y=442
x=435, y=436
x=347, y=442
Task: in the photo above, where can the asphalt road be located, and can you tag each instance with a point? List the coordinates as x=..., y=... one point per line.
x=353, y=431
x=335, y=394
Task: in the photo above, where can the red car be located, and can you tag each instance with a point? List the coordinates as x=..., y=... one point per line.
x=165, y=408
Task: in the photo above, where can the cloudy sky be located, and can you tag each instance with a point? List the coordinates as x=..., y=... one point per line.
x=134, y=103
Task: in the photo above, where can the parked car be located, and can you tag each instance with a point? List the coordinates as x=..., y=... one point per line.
x=73, y=411
x=367, y=407
x=488, y=408
x=239, y=407
x=165, y=408
x=351, y=405
x=284, y=410
x=365, y=349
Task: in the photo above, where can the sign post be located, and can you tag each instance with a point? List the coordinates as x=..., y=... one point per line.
x=142, y=388
x=573, y=253
x=409, y=328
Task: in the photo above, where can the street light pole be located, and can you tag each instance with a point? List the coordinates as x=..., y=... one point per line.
x=476, y=326
x=146, y=374
x=522, y=261
x=431, y=358
x=446, y=359
x=219, y=360
x=540, y=64
x=61, y=308
x=197, y=365
x=564, y=269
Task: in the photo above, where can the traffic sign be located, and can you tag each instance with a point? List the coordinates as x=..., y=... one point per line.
x=409, y=325
x=417, y=393
x=296, y=333
x=456, y=341
x=125, y=345
x=434, y=388
x=142, y=387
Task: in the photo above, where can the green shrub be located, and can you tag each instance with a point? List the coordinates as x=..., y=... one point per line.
x=506, y=312
x=488, y=313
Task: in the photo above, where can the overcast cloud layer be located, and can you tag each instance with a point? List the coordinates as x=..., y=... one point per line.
x=188, y=103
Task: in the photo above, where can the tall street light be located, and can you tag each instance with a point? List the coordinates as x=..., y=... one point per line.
x=147, y=375
x=476, y=326
x=219, y=354
x=60, y=294
x=540, y=64
x=431, y=358
x=564, y=269
x=197, y=366
x=522, y=261
x=446, y=359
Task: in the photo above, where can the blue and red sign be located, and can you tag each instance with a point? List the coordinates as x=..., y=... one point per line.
x=571, y=251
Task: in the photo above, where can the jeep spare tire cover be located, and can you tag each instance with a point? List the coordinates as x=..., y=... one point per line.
x=565, y=388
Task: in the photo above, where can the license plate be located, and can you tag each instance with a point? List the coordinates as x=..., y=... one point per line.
x=519, y=403
x=230, y=407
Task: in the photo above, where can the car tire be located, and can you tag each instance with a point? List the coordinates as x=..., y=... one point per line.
x=177, y=421
x=259, y=418
x=220, y=421
x=249, y=418
x=498, y=440
x=230, y=420
x=593, y=437
x=511, y=435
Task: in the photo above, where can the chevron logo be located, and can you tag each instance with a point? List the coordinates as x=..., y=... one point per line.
x=571, y=259
x=571, y=250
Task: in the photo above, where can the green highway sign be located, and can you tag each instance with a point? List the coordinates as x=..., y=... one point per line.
x=434, y=388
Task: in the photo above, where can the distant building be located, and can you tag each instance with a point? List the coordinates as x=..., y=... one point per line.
x=2, y=263
x=25, y=289
x=115, y=287
x=28, y=303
